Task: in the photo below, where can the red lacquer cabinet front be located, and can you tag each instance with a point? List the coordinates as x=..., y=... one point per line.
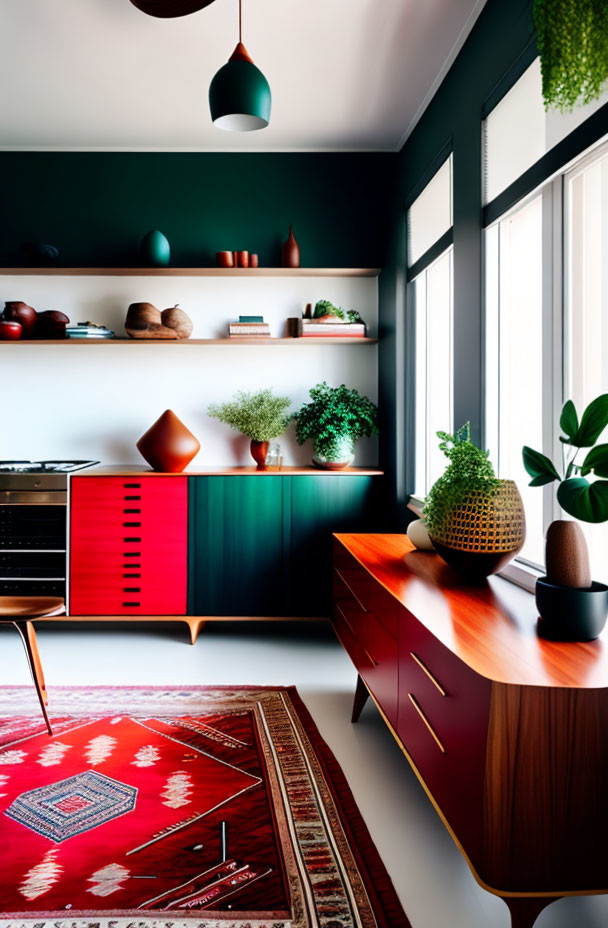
x=128, y=545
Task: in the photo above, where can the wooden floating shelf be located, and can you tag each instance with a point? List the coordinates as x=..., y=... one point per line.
x=193, y=271
x=251, y=342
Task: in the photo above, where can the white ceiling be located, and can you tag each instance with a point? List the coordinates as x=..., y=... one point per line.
x=345, y=74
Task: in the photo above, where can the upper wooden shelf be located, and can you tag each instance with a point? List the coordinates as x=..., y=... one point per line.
x=491, y=626
x=234, y=340
x=193, y=271
x=288, y=470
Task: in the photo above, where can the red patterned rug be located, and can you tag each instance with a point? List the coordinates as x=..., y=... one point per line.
x=156, y=806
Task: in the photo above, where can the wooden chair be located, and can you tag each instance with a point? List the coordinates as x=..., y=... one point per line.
x=20, y=611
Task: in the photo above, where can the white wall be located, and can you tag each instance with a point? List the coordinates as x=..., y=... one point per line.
x=94, y=401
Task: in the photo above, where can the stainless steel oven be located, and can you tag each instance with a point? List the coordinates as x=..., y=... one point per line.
x=33, y=526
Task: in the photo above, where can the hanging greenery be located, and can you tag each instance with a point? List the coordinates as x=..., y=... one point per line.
x=573, y=49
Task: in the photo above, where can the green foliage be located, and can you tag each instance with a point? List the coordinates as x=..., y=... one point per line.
x=261, y=416
x=572, y=38
x=576, y=495
x=325, y=308
x=469, y=469
x=334, y=413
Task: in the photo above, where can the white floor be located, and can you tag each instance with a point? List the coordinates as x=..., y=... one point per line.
x=431, y=878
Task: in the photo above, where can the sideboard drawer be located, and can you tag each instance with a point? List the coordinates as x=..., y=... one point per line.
x=128, y=556
x=443, y=717
x=367, y=591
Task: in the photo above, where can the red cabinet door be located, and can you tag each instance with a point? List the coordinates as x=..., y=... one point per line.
x=128, y=545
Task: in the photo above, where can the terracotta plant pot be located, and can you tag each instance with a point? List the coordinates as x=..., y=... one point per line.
x=483, y=532
x=168, y=446
x=290, y=255
x=259, y=451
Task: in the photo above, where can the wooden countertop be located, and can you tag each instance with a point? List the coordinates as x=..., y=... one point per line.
x=490, y=626
x=136, y=470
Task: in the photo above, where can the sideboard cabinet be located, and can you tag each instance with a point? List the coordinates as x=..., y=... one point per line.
x=211, y=545
x=507, y=733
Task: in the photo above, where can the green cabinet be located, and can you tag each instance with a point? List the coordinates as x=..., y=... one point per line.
x=261, y=545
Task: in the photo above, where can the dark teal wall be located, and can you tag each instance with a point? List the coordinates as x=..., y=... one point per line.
x=95, y=207
x=500, y=35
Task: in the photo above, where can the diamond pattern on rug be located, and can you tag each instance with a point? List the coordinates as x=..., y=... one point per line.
x=72, y=806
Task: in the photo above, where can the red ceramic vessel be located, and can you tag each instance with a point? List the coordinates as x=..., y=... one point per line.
x=10, y=331
x=168, y=446
x=224, y=259
x=259, y=452
x=253, y=261
x=18, y=311
x=290, y=255
x=243, y=259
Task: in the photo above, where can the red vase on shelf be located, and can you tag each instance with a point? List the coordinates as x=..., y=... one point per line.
x=259, y=451
x=290, y=255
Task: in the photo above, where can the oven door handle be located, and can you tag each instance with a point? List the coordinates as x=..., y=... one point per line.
x=33, y=498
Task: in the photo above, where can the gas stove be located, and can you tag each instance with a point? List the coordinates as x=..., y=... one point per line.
x=43, y=467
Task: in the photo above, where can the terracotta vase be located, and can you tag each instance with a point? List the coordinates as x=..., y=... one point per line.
x=290, y=256
x=259, y=450
x=168, y=446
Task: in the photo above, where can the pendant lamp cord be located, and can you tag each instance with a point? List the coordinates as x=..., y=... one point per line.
x=240, y=21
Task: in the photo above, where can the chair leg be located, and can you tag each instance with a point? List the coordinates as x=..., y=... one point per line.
x=32, y=656
x=31, y=637
x=361, y=697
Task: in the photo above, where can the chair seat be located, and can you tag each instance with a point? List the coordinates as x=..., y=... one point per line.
x=30, y=607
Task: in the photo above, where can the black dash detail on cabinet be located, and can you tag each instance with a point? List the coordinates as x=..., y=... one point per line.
x=132, y=486
x=132, y=539
x=131, y=553
x=131, y=524
x=131, y=576
x=132, y=497
x=131, y=589
x=131, y=604
x=131, y=511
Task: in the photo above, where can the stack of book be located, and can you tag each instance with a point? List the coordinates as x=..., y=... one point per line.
x=250, y=327
x=313, y=328
x=88, y=330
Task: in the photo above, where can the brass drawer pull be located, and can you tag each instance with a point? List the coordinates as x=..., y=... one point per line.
x=426, y=670
x=350, y=589
x=416, y=706
x=372, y=660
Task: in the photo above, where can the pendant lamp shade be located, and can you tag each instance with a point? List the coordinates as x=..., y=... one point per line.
x=239, y=95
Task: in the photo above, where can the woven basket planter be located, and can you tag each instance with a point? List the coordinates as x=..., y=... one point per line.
x=483, y=532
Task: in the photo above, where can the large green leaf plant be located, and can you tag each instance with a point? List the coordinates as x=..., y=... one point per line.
x=579, y=497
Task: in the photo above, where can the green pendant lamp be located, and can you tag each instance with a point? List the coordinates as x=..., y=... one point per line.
x=239, y=95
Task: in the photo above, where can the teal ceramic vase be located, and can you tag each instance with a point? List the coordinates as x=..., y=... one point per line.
x=155, y=249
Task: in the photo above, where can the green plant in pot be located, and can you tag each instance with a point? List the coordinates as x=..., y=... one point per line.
x=335, y=419
x=475, y=520
x=572, y=607
x=260, y=416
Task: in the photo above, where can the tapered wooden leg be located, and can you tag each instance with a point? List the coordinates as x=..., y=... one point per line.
x=31, y=637
x=25, y=638
x=361, y=697
x=195, y=625
x=524, y=911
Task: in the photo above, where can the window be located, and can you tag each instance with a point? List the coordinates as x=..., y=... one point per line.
x=429, y=298
x=518, y=131
x=430, y=215
x=586, y=358
x=545, y=343
x=514, y=353
x=434, y=375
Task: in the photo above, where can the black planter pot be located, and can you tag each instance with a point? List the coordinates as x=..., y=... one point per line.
x=568, y=614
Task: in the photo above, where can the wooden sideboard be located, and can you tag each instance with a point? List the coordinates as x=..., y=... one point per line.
x=507, y=733
x=207, y=545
